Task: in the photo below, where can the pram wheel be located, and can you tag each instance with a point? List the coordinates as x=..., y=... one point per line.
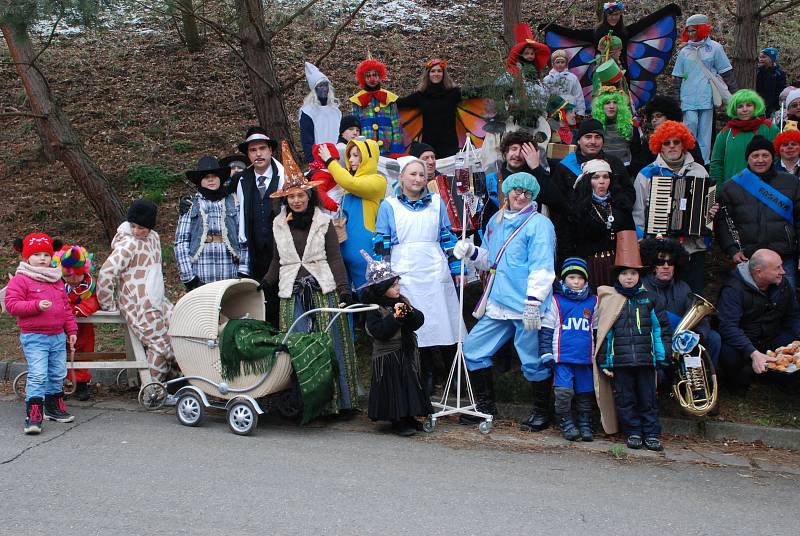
x=242, y=417
x=190, y=409
x=19, y=384
x=485, y=427
x=289, y=403
x=428, y=425
x=152, y=396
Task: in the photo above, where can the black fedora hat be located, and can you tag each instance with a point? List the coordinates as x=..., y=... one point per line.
x=231, y=158
x=208, y=165
x=257, y=134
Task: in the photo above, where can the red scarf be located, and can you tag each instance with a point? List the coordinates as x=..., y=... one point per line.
x=565, y=134
x=746, y=125
x=367, y=96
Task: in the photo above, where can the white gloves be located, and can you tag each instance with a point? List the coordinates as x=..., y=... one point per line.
x=463, y=248
x=531, y=317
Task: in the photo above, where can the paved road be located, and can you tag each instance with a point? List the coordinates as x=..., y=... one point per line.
x=125, y=472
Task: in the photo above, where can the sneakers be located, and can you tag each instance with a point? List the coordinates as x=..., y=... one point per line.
x=634, y=442
x=33, y=416
x=55, y=409
x=653, y=443
x=568, y=428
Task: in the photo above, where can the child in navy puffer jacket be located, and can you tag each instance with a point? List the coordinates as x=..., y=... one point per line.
x=37, y=298
x=567, y=337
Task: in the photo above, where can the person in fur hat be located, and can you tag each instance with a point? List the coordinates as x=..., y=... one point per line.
x=320, y=115
x=633, y=340
x=376, y=108
x=698, y=97
x=673, y=143
x=561, y=82
x=132, y=282
x=76, y=270
x=206, y=238
x=518, y=246
x=36, y=296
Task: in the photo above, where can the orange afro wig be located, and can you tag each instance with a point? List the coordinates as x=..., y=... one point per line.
x=703, y=31
x=785, y=137
x=671, y=129
x=369, y=64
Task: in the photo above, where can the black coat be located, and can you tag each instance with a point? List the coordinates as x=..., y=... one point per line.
x=438, y=107
x=758, y=226
x=769, y=84
x=247, y=179
x=640, y=336
x=750, y=318
x=677, y=299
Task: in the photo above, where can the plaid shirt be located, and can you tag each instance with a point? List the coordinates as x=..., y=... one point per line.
x=215, y=262
x=381, y=122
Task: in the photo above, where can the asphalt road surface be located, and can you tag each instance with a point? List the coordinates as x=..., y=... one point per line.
x=127, y=472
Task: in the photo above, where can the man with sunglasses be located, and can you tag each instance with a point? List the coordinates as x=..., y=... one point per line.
x=667, y=259
x=672, y=142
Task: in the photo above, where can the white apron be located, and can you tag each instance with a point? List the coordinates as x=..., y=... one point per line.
x=424, y=273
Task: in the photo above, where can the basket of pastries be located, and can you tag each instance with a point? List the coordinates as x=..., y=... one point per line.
x=787, y=358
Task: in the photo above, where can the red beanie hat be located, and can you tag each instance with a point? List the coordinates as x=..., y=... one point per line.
x=36, y=243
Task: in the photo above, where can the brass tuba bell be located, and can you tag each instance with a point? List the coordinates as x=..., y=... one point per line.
x=695, y=382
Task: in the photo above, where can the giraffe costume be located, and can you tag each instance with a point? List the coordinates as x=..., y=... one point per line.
x=131, y=280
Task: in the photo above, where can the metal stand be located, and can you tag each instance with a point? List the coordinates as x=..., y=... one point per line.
x=459, y=362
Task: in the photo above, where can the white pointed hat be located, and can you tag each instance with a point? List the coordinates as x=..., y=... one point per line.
x=314, y=76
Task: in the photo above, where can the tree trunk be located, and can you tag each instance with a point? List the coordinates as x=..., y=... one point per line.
x=264, y=85
x=190, y=26
x=511, y=16
x=598, y=10
x=745, y=42
x=57, y=133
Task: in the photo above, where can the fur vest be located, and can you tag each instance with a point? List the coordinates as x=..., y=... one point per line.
x=314, y=258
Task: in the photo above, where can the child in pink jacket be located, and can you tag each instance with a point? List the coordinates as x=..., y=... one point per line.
x=36, y=296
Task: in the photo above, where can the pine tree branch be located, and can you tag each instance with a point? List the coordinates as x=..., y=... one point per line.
x=272, y=32
x=52, y=33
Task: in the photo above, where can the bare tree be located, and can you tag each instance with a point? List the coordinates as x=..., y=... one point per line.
x=56, y=130
x=512, y=13
x=189, y=21
x=749, y=16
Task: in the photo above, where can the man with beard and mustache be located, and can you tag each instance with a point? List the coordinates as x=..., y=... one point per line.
x=257, y=210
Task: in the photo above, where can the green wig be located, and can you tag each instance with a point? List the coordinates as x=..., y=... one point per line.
x=624, y=114
x=742, y=96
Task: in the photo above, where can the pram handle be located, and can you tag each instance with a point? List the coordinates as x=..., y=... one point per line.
x=350, y=309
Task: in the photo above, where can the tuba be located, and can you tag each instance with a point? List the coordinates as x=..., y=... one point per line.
x=695, y=382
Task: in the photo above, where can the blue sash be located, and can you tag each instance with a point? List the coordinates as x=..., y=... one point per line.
x=571, y=163
x=766, y=194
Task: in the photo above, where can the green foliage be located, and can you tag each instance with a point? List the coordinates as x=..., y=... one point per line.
x=182, y=146
x=618, y=452
x=152, y=180
x=24, y=14
x=40, y=215
x=167, y=253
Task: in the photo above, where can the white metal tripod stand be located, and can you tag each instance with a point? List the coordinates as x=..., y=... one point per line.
x=459, y=363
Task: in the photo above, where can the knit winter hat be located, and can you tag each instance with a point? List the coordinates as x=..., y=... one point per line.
x=142, y=212
x=348, y=121
x=36, y=243
x=792, y=96
x=590, y=126
x=418, y=147
x=523, y=180
x=73, y=260
x=612, y=7
x=772, y=53
x=759, y=143
x=697, y=19
x=560, y=53
x=575, y=265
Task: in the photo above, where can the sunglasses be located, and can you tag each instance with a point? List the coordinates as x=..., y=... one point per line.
x=671, y=143
x=662, y=262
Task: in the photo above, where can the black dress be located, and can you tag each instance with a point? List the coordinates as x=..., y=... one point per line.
x=438, y=107
x=395, y=391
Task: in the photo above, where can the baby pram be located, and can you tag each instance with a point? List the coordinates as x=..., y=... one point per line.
x=195, y=333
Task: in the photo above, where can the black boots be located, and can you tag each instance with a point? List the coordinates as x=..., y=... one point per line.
x=563, y=407
x=483, y=388
x=585, y=403
x=33, y=416
x=55, y=409
x=539, y=419
x=82, y=391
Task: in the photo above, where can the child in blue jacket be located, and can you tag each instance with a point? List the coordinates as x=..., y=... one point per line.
x=567, y=338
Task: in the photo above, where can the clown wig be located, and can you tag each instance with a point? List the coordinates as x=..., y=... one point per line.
x=369, y=64
x=73, y=260
x=742, y=96
x=703, y=31
x=668, y=130
x=785, y=137
x=624, y=119
x=650, y=248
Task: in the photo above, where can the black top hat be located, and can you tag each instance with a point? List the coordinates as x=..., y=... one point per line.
x=257, y=134
x=206, y=165
x=231, y=158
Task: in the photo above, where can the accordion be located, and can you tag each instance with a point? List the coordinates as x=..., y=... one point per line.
x=454, y=201
x=679, y=206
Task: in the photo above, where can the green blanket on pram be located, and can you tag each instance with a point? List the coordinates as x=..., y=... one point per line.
x=250, y=346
